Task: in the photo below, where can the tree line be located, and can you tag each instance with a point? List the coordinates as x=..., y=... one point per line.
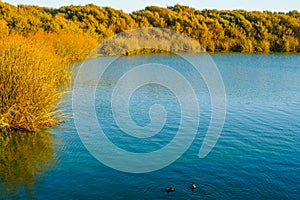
x=216, y=30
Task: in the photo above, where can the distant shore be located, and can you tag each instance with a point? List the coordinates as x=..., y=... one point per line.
x=216, y=30
x=37, y=40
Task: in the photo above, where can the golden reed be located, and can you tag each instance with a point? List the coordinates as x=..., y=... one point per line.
x=34, y=71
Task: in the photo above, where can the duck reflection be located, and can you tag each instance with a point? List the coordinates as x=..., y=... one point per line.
x=24, y=157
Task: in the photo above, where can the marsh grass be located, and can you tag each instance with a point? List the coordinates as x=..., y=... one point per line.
x=34, y=71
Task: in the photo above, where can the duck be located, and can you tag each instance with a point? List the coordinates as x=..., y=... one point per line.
x=170, y=189
x=193, y=186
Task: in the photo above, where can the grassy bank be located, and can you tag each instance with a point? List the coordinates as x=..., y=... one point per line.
x=34, y=70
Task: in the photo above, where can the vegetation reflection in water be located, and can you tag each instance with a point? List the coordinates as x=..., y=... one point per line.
x=24, y=157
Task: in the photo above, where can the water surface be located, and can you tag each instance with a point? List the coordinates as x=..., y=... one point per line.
x=257, y=155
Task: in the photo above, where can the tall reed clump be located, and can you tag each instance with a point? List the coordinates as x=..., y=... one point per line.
x=33, y=74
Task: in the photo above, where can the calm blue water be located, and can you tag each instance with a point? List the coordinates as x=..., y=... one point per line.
x=256, y=157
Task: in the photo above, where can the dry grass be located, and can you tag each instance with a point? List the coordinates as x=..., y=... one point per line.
x=33, y=73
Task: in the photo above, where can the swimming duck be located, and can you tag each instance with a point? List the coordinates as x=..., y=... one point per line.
x=192, y=186
x=170, y=189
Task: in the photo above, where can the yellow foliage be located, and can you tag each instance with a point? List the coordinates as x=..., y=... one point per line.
x=33, y=70
x=3, y=123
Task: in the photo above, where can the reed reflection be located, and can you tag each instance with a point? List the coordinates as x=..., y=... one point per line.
x=24, y=158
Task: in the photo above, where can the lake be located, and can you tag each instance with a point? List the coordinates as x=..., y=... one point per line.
x=257, y=155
